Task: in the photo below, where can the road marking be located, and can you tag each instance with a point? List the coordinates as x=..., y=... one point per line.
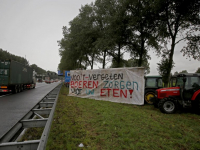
x=5, y=95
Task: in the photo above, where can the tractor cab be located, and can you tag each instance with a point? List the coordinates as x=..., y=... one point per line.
x=189, y=84
x=152, y=83
x=185, y=92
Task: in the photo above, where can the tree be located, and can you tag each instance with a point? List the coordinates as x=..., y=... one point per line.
x=198, y=70
x=111, y=27
x=175, y=73
x=110, y=19
x=193, y=47
x=142, y=28
x=38, y=69
x=104, y=42
x=162, y=68
x=5, y=55
x=89, y=34
x=134, y=63
x=70, y=49
x=183, y=71
x=68, y=54
x=179, y=21
x=77, y=48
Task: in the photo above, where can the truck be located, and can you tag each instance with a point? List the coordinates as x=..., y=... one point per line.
x=47, y=80
x=16, y=77
x=39, y=78
x=152, y=83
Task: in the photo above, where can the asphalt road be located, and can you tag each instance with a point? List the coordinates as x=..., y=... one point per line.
x=14, y=107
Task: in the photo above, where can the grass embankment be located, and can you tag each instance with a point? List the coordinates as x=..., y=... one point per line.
x=113, y=126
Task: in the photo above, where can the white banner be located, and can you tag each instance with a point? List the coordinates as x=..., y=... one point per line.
x=121, y=85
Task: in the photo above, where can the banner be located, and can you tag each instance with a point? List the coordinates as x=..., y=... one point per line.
x=121, y=85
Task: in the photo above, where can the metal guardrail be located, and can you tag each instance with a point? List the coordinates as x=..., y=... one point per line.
x=45, y=107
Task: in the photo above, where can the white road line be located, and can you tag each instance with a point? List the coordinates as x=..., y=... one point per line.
x=5, y=95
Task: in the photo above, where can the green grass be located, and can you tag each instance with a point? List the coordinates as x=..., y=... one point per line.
x=102, y=125
x=32, y=134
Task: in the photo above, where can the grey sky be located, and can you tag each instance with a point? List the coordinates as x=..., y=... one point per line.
x=32, y=28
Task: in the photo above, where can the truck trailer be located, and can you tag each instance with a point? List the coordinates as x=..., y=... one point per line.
x=15, y=77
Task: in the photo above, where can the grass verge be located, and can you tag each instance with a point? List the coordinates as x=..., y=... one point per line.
x=32, y=134
x=106, y=125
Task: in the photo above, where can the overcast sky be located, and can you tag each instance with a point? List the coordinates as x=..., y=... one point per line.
x=31, y=29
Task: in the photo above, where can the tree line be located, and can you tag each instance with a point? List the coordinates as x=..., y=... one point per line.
x=106, y=30
x=5, y=55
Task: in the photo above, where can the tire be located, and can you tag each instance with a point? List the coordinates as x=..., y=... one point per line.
x=19, y=89
x=198, y=110
x=22, y=87
x=155, y=101
x=155, y=104
x=196, y=105
x=148, y=95
x=15, y=89
x=167, y=105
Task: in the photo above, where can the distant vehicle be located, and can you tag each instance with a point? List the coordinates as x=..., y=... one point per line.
x=39, y=80
x=47, y=80
x=52, y=81
x=15, y=77
x=152, y=83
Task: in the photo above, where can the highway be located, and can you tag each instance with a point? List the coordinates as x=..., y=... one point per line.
x=14, y=107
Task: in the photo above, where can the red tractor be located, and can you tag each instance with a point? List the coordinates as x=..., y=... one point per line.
x=184, y=93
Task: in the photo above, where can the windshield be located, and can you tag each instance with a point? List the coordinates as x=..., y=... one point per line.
x=179, y=81
x=191, y=82
x=160, y=83
x=152, y=82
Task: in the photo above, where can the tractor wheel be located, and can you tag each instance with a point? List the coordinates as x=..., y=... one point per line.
x=196, y=105
x=155, y=104
x=167, y=105
x=198, y=111
x=148, y=95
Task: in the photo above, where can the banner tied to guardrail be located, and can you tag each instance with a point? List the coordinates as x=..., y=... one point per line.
x=121, y=85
